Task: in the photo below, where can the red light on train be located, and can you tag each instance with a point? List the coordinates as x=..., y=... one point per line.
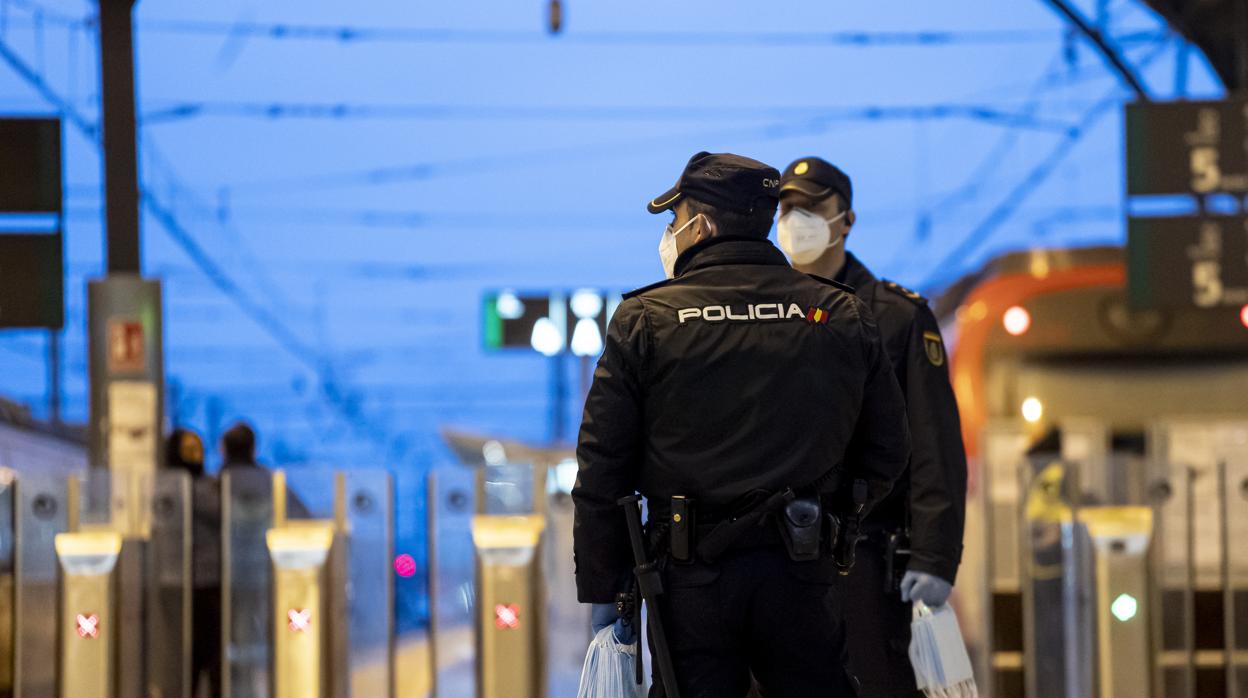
x=1243, y=316
x=1016, y=320
x=404, y=565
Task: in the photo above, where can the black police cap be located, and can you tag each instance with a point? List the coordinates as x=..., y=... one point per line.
x=817, y=178
x=722, y=180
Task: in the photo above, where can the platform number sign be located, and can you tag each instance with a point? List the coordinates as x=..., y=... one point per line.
x=1188, y=262
x=1187, y=148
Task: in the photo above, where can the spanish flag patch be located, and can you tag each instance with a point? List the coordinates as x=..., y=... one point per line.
x=817, y=316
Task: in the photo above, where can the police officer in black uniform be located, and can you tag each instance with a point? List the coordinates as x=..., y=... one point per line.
x=748, y=403
x=913, y=540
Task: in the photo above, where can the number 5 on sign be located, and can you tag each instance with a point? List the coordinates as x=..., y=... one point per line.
x=1206, y=283
x=1206, y=174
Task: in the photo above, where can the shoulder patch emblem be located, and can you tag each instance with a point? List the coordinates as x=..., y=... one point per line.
x=817, y=316
x=902, y=290
x=935, y=348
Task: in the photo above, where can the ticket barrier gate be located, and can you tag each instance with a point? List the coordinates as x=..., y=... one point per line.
x=510, y=619
x=99, y=570
x=1086, y=600
x=90, y=615
x=307, y=593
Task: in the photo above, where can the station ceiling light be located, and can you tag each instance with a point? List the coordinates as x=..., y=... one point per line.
x=546, y=337
x=1016, y=320
x=509, y=306
x=1243, y=316
x=1033, y=409
x=586, y=339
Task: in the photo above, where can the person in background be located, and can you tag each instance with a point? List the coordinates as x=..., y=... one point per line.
x=238, y=447
x=913, y=542
x=238, y=453
x=185, y=451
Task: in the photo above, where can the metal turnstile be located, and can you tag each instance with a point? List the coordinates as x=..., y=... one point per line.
x=308, y=598
x=88, y=612
x=510, y=604
x=100, y=585
x=1121, y=538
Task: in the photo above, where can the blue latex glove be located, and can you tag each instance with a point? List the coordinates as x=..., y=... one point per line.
x=603, y=614
x=921, y=586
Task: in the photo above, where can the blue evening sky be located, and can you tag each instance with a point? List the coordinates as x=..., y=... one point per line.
x=362, y=172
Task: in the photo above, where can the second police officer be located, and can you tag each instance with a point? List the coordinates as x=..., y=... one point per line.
x=913, y=541
x=746, y=401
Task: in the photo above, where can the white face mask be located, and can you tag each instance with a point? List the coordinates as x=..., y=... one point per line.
x=804, y=235
x=667, y=247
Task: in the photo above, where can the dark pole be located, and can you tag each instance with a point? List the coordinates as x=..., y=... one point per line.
x=121, y=171
x=1241, y=19
x=54, y=378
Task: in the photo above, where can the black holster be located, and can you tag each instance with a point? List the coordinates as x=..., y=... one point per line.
x=683, y=542
x=896, y=559
x=801, y=528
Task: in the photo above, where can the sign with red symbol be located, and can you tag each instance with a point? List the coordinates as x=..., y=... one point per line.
x=88, y=626
x=506, y=616
x=299, y=620
x=125, y=346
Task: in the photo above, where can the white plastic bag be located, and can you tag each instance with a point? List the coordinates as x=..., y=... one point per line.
x=942, y=667
x=610, y=669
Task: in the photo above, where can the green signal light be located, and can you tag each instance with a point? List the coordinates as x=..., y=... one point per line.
x=1124, y=607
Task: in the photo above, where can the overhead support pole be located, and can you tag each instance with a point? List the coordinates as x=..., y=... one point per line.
x=121, y=171
x=1241, y=21
x=1108, y=52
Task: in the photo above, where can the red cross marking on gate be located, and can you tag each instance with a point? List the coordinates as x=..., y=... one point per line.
x=507, y=616
x=300, y=619
x=88, y=626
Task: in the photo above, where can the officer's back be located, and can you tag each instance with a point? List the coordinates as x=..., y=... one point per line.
x=737, y=390
x=714, y=386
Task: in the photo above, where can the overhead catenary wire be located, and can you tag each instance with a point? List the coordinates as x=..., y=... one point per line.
x=1005, y=209
x=347, y=406
x=159, y=113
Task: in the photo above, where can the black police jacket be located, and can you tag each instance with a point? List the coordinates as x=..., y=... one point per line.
x=933, y=490
x=739, y=374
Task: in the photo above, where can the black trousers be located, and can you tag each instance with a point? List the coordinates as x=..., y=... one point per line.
x=206, y=641
x=878, y=626
x=755, y=611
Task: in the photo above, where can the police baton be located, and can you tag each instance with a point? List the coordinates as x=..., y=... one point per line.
x=651, y=585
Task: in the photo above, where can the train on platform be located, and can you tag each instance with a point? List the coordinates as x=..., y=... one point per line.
x=1079, y=409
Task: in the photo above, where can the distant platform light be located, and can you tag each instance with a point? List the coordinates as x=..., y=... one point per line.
x=1016, y=320
x=1243, y=316
x=586, y=339
x=404, y=565
x=546, y=337
x=1124, y=607
x=586, y=303
x=509, y=307
x=494, y=453
x=1033, y=409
